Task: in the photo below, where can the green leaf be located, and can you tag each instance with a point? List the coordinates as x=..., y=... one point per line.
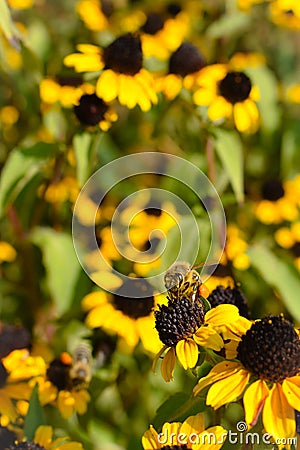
x=61, y=264
x=268, y=106
x=82, y=148
x=6, y=23
x=229, y=25
x=21, y=166
x=283, y=276
x=229, y=149
x=35, y=415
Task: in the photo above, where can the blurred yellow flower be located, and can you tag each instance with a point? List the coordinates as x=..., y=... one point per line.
x=7, y=252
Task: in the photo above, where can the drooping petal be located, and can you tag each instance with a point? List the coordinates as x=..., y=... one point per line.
x=154, y=363
x=208, y=337
x=150, y=439
x=187, y=352
x=254, y=399
x=168, y=365
x=222, y=315
x=220, y=108
x=228, y=389
x=278, y=415
x=93, y=299
x=218, y=372
x=211, y=439
x=43, y=436
x=291, y=390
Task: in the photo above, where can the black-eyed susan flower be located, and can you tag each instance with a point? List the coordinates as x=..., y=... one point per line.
x=285, y=13
x=123, y=76
x=229, y=94
x=58, y=389
x=235, y=249
x=191, y=434
x=7, y=437
x=92, y=110
x=65, y=90
x=60, y=191
x=266, y=373
x=92, y=14
x=7, y=252
x=182, y=325
x=184, y=66
x=289, y=238
x=160, y=36
x=128, y=313
x=43, y=440
x=229, y=295
x=280, y=201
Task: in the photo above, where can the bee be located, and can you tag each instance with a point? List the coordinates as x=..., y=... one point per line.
x=80, y=370
x=181, y=279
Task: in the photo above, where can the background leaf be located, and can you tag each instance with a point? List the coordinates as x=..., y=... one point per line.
x=22, y=165
x=229, y=149
x=279, y=274
x=61, y=264
x=35, y=415
x=82, y=147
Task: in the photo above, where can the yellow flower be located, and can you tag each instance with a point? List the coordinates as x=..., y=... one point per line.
x=292, y=93
x=92, y=15
x=128, y=313
x=9, y=115
x=246, y=4
x=182, y=325
x=228, y=94
x=66, y=90
x=269, y=353
x=285, y=13
x=61, y=191
x=20, y=4
x=7, y=252
x=43, y=437
x=189, y=434
x=123, y=77
x=235, y=249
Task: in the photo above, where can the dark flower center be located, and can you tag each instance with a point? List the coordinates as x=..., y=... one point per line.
x=153, y=24
x=134, y=298
x=186, y=59
x=178, y=320
x=25, y=446
x=289, y=12
x=13, y=338
x=124, y=55
x=153, y=208
x=230, y=296
x=3, y=375
x=235, y=87
x=296, y=249
x=150, y=245
x=7, y=437
x=270, y=349
x=173, y=9
x=59, y=374
x=273, y=190
x=91, y=109
x=64, y=80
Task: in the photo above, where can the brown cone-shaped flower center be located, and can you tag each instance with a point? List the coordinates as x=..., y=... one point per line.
x=186, y=59
x=230, y=296
x=59, y=374
x=7, y=437
x=272, y=190
x=178, y=320
x=270, y=349
x=134, y=298
x=174, y=8
x=13, y=338
x=90, y=110
x=124, y=55
x=235, y=87
x=153, y=24
x=25, y=446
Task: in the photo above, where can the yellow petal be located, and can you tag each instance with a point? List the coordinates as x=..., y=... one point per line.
x=43, y=436
x=193, y=424
x=242, y=117
x=208, y=337
x=227, y=389
x=187, y=352
x=170, y=432
x=168, y=364
x=220, y=108
x=291, y=390
x=218, y=372
x=94, y=299
x=222, y=315
x=278, y=415
x=254, y=399
x=211, y=439
x=204, y=97
x=154, y=363
x=107, y=85
x=150, y=439
x=148, y=334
